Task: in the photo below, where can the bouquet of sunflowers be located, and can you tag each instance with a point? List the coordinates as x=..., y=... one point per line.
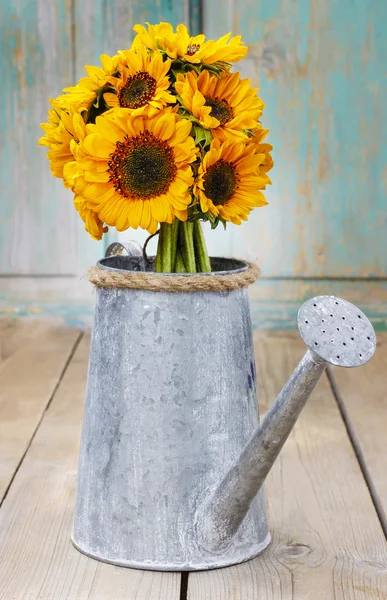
x=162, y=136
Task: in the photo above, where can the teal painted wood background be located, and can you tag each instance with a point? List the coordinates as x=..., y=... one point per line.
x=44, y=45
x=320, y=65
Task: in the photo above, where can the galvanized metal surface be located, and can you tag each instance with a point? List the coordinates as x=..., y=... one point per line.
x=218, y=519
x=119, y=509
x=134, y=262
x=172, y=459
x=171, y=402
x=118, y=248
x=337, y=331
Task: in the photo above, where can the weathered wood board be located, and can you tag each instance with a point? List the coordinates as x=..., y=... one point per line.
x=44, y=46
x=362, y=393
x=39, y=228
x=320, y=65
x=32, y=360
x=327, y=541
x=36, y=556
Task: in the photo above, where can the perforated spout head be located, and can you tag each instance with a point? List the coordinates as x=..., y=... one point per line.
x=336, y=331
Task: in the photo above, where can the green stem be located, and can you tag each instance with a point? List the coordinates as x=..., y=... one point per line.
x=202, y=258
x=167, y=248
x=181, y=248
x=174, y=242
x=187, y=246
x=179, y=265
x=159, y=254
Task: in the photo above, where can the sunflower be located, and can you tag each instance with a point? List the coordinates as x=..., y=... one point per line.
x=84, y=94
x=264, y=149
x=229, y=181
x=65, y=127
x=135, y=171
x=227, y=105
x=143, y=83
x=93, y=224
x=181, y=45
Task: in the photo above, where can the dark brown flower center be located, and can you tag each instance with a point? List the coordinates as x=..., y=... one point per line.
x=142, y=166
x=192, y=49
x=220, y=182
x=138, y=90
x=220, y=109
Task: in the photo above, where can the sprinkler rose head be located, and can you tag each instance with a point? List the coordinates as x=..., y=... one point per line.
x=336, y=331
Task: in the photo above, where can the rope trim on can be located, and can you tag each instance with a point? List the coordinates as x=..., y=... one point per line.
x=159, y=282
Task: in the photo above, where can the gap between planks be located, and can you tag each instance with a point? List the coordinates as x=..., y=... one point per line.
x=37, y=557
x=41, y=418
x=312, y=554
x=327, y=540
x=32, y=361
x=363, y=403
x=356, y=445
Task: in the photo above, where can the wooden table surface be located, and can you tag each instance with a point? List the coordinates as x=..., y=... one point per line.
x=327, y=494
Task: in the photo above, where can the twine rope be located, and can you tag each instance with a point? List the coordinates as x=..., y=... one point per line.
x=157, y=282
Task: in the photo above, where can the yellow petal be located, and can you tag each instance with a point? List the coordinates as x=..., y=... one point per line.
x=97, y=177
x=98, y=146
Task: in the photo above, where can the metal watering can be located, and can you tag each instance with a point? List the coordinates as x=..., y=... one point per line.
x=173, y=458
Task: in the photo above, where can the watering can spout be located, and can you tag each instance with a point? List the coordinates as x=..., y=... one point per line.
x=335, y=332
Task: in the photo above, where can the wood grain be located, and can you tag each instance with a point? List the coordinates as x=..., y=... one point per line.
x=36, y=556
x=310, y=58
x=38, y=222
x=362, y=393
x=327, y=541
x=31, y=362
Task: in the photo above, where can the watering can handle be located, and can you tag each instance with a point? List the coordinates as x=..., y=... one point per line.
x=118, y=248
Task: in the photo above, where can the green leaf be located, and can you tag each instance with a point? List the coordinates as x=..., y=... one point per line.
x=199, y=135
x=177, y=72
x=222, y=65
x=191, y=67
x=98, y=106
x=208, y=136
x=195, y=217
x=212, y=70
x=188, y=117
x=202, y=136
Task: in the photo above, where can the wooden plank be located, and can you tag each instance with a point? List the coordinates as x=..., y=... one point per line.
x=38, y=223
x=16, y=335
x=310, y=59
x=65, y=301
x=105, y=27
x=36, y=556
x=362, y=394
x=327, y=541
x=32, y=362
